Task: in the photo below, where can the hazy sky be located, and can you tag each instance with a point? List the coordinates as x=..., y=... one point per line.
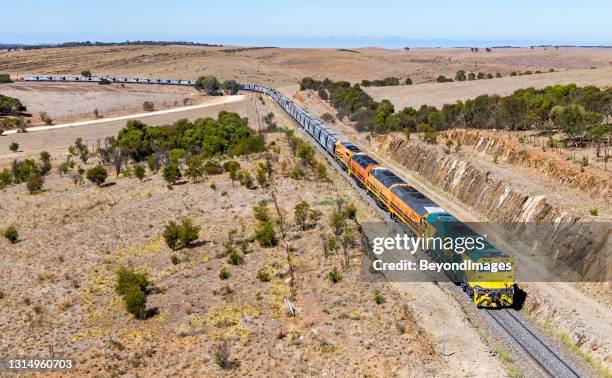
x=309, y=22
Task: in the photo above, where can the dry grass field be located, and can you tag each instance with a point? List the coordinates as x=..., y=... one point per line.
x=70, y=101
x=278, y=67
x=438, y=94
x=58, y=283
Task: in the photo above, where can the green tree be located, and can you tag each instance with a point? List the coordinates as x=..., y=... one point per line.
x=208, y=84
x=86, y=73
x=408, y=81
x=460, y=75
x=14, y=146
x=512, y=110
x=471, y=76
x=97, y=175
x=230, y=87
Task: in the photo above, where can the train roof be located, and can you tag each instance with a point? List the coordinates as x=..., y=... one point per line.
x=386, y=177
x=364, y=160
x=350, y=146
x=420, y=203
x=449, y=226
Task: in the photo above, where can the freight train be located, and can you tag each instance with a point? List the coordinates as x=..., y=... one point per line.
x=487, y=287
x=404, y=203
x=112, y=79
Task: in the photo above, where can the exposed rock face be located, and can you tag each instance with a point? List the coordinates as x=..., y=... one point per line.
x=564, y=173
x=580, y=250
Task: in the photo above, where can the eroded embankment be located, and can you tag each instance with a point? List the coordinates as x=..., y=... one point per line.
x=574, y=249
x=561, y=172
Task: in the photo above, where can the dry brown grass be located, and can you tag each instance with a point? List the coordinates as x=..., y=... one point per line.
x=278, y=67
x=438, y=94
x=73, y=239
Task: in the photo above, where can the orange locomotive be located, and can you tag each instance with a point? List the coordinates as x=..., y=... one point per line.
x=344, y=152
x=360, y=166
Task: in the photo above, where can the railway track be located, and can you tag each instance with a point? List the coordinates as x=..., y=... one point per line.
x=529, y=339
x=524, y=335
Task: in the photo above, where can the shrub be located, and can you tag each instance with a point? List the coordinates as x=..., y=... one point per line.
x=265, y=234
x=127, y=277
x=211, y=167
x=175, y=259
x=245, y=179
x=5, y=78
x=263, y=276
x=224, y=274
x=35, y=183
x=135, y=302
x=260, y=211
x=195, y=167
x=235, y=259
x=594, y=212
x=258, y=296
x=322, y=171
x=378, y=297
x=221, y=354
x=297, y=173
x=86, y=73
x=171, y=234
x=231, y=165
x=326, y=117
x=11, y=234
x=408, y=81
x=6, y=178
x=172, y=173
x=97, y=175
x=301, y=213
x=139, y=172
x=46, y=118
x=153, y=163
x=213, y=186
x=14, y=147
x=180, y=235
x=104, y=81
x=334, y=275
x=148, y=106
x=188, y=232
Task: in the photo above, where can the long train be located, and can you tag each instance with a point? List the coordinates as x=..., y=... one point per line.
x=421, y=215
x=112, y=79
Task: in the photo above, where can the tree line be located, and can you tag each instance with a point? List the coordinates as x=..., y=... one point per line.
x=576, y=111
